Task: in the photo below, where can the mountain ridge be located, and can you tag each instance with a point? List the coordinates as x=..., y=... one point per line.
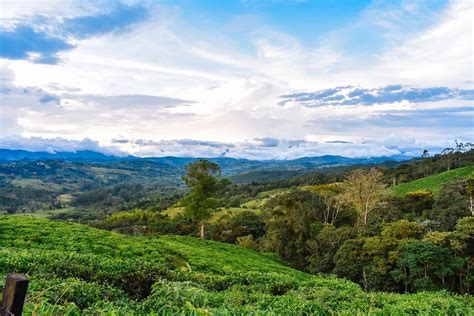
x=8, y=155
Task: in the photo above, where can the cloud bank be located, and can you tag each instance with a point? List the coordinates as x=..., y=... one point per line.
x=254, y=149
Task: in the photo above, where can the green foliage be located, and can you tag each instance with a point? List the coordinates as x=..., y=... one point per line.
x=203, y=179
x=288, y=222
x=420, y=262
x=416, y=202
x=324, y=246
x=433, y=183
x=451, y=204
x=232, y=225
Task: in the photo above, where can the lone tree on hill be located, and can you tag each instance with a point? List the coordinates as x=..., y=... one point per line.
x=203, y=177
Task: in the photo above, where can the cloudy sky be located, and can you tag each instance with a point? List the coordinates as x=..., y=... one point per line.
x=253, y=79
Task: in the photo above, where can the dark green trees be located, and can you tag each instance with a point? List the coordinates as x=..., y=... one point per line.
x=289, y=220
x=421, y=264
x=451, y=204
x=204, y=181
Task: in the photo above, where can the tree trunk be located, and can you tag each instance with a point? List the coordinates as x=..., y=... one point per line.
x=406, y=280
x=364, y=281
x=201, y=234
x=471, y=202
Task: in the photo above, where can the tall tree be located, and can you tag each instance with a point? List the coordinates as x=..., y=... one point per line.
x=332, y=199
x=447, y=155
x=426, y=161
x=364, y=189
x=203, y=177
x=470, y=193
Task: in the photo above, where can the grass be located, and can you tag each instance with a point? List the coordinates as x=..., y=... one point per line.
x=211, y=256
x=433, y=183
x=29, y=231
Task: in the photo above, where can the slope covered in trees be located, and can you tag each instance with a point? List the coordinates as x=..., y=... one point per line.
x=75, y=268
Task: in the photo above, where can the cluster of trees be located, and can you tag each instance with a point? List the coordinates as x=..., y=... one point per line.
x=358, y=230
x=460, y=155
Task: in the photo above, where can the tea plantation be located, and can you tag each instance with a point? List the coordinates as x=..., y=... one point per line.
x=434, y=182
x=75, y=269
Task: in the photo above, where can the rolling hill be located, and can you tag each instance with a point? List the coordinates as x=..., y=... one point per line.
x=32, y=181
x=78, y=269
x=434, y=182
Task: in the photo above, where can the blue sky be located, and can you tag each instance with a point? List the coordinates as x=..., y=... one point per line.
x=255, y=79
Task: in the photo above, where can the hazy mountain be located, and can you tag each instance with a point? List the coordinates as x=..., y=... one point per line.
x=17, y=154
x=230, y=166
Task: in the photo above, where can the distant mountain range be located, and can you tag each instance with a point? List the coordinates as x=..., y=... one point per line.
x=34, y=180
x=230, y=166
x=18, y=154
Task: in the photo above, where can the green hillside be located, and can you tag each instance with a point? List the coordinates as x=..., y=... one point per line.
x=77, y=269
x=433, y=183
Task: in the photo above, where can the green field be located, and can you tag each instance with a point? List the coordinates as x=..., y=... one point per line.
x=433, y=183
x=75, y=269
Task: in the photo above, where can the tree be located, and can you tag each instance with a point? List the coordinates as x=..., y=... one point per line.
x=203, y=177
x=421, y=264
x=232, y=225
x=288, y=221
x=415, y=203
x=324, y=246
x=364, y=190
x=470, y=193
x=447, y=154
x=332, y=199
x=426, y=161
x=350, y=260
x=461, y=148
x=370, y=260
x=450, y=204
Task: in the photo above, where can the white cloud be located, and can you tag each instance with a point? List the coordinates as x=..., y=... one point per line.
x=57, y=144
x=139, y=84
x=441, y=55
x=258, y=149
x=21, y=9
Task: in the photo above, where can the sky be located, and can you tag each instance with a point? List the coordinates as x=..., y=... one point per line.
x=268, y=79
